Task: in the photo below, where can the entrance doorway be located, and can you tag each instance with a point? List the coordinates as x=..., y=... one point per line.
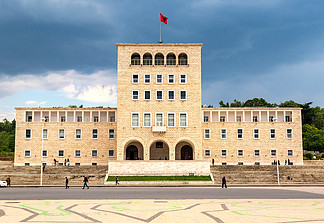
x=186, y=153
x=132, y=153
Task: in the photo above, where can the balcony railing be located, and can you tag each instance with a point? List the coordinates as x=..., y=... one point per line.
x=158, y=128
x=159, y=62
x=183, y=62
x=136, y=61
x=147, y=62
x=171, y=62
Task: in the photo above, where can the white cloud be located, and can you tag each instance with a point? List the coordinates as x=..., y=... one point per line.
x=7, y=115
x=95, y=87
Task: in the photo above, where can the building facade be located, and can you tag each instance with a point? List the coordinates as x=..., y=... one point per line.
x=159, y=117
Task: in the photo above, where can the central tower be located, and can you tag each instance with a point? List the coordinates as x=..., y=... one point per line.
x=159, y=101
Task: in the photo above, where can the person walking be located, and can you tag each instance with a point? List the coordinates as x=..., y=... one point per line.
x=213, y=162
x=224, y=182
x=55, y=162
x=85, y=180
x=66, y=183
x=68, y=162
x=64, y=162
x=117, y=180
x=8, y=181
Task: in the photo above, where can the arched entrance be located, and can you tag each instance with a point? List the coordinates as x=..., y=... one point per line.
x=186, y=153
x=159, y=150
x=133, y=151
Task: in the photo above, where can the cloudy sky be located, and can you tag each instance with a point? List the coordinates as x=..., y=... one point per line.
x=63, y=52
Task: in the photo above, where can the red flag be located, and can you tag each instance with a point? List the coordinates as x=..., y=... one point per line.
x=163, y=19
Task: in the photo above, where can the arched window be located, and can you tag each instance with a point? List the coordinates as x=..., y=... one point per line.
x=171, y=59
x=135, y=59
x=159, y=59
x=183, y=59
x=147, y=59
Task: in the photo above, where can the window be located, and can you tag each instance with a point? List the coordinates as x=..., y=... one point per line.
x=147, y=95
x=288, y=119
x=29, y=118
x=28, y=133
x=289, y=133
x=224, y=152
x=27, y=153
x=135, y=120
x=45, y=134
x=111, y=133
x=240, y=133
x=273, y=152
x=240, y=163
x=78, y=133
x=46, y=118
x=207, y=153
x=135, y=95
x=147, y=79
x=159, y=59
x=206, y=118
x=183, y=59
x=170, y=95
x=27, y=164
x=256, y=152
x=94, y=153
x=95, y=119
x=62, y=118
x=224, y=163
x=183, y=120
x=183, y=95
x=171, y=121
x=147, y=120
x=290, y=152
x=207, y=132
x=256, y=133
x=223, y=134
x=159, y=119
x=94, y=164
x=171, y=59
x=240, y=152
x=159, y=145
x=159, y=95
x=270, y=118
x=238, y=119
x=183, y=79
x=257, y=163
x=44, y=153
x=79, y=119
x=77, y=153
x=61, y=153
x=135, y=59
x=255, y=118
x=95, y=133
x=171, y=79
x=135, y=79
x=159, y=79
x=77, y=164
x=272, y=133
x=111, y=153
x=61, y=134
x=222, y=119
x=147, y=59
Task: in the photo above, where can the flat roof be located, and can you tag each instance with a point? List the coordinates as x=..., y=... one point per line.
x=250, y=108
x=159, y=44
x=65, y=108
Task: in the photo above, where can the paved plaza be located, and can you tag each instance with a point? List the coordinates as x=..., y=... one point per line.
x=309, y=209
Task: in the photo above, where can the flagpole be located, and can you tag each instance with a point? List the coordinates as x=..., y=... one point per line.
x=160, y=33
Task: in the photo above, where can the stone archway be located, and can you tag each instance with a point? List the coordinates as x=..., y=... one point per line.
x=184, y=150
x=159, y=150
x=134, y=151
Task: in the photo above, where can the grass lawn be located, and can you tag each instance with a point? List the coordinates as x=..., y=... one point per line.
x=160, y=178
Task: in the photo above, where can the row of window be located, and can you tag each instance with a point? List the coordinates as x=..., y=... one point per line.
x=159, y=95
x=159, y=119
x=159, y=79
x=254, y=119
x=78, y=133
x=62, y=118
x=159, y=59
x=240, y=152
x=256, y=133
x=77, y=153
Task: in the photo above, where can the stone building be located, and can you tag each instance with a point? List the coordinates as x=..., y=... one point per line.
x=159, y=116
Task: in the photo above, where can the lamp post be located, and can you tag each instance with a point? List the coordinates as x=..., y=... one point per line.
x=275, y=119
x=41, y=178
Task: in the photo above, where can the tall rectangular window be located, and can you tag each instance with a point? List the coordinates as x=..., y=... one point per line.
x=44, y=153
x=223, y=134
x=238, y=119
x=62, y=118
x=255, y=118
x=171, y=79
x=206, y=133
x=95, y=119
x=79, y=119
x=170, y=95
x=46, y=118
x=78, y=133
x=183, y=79
x=147, y=95
x=135, y=95
x=111, y=153
x=183, y=120
x=28, y=133
x=222, y=119
x=159, y=95
x=171, y=120
x=77, y=153
x=135, y=79
x=27, y=153
x=288, y=119
x=147, y=78
x=95, y=133
x=270, y=118
x=273, y=152
x=111, y=133
x=224, y=152
x=256, y=152
x=272, y=133
x=207, y=152
x=61, y=134
x=240, y=152
x=256, y=133
x=289, y=133
x=290, y=152
x=240, y=133
x=159, y=119
x=135, y=119
x=183, y=95
x=94, y=153
x=45, y=134
x=61, y=153
x=147, y=120
x=159, y=79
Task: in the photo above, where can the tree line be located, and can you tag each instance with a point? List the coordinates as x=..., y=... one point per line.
x=7, y=139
